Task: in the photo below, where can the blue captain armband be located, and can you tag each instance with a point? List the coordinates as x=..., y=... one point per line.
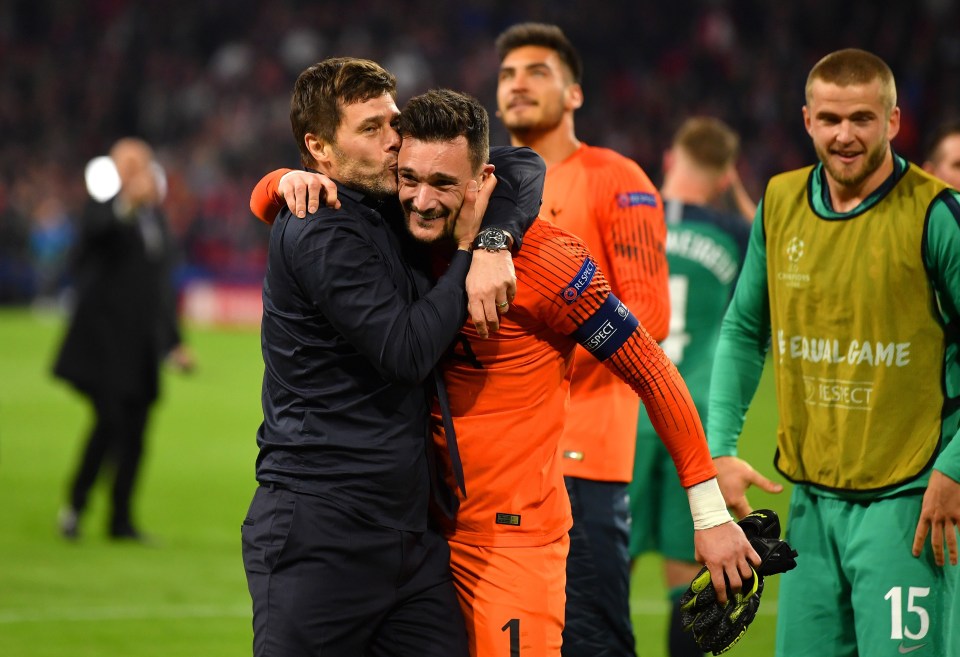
x=607, y=329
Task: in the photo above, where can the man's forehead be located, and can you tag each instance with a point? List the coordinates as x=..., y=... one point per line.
x=430, y=156
x=531, y=56
x=864, y=93
x=380, y=106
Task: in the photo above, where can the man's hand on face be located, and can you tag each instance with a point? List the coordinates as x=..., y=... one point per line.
x=491, y=280
x=475, y=201
x=304, y=191
x=491, y=287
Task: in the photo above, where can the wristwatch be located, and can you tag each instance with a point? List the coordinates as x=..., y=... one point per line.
x=492, y=239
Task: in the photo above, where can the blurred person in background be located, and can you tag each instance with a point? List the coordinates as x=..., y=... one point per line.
x=705, y=248
x=123, y=325
x=16, y=266
x=852, y=275
x=609, y=202
x=51, y=235
x=943, y=153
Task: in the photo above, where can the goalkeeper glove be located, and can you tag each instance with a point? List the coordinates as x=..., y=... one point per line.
x=717, y=628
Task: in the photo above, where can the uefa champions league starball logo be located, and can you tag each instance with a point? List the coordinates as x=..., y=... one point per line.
x=795, y=250
x=792, y=276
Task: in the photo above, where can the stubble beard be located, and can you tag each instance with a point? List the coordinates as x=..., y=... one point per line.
x=443, y=237
x=527, y=129
x=873, y=161
x=381, y=184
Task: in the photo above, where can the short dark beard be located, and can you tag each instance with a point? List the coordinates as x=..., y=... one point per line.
x=375, y=190
x=369, y=185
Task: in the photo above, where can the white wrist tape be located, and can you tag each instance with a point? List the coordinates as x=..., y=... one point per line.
x=706, y=505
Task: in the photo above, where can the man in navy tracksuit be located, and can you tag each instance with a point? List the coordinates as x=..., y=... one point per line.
x=340, y=557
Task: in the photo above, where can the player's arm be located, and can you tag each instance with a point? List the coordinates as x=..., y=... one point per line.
x=940, y=511
x=639, y=361
x=584, y=307
x=742, y=349
x=629, y=211
x=942, y=258
x=742, y=201
x=738, y=366
x=301, y=191
x=581, y=304
x=516, y=200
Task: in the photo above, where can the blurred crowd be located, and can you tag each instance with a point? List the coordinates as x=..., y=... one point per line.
x=207, y=83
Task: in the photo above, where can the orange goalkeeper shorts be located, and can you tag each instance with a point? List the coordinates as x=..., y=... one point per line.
x=512, y=597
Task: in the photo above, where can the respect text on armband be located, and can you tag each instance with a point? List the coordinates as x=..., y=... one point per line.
x=607, y=329
x=576, y=287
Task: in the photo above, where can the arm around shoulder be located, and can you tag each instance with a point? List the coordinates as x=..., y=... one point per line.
x=516, y=200
x=265, y=201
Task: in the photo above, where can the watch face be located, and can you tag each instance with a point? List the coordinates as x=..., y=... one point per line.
x=493, y=240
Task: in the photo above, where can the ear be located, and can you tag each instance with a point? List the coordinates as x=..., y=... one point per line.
x=807, y=120
x=485, y=172
x=668, y=159
x=319, y=150
x=574, y=96
x=893, y=125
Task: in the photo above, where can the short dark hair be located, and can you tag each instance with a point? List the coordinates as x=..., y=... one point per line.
x=322, y=90
x=710, y=142
x=944, y=130
x=444, y=115
x=546, y=36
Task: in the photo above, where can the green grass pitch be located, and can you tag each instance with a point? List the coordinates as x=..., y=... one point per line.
x=185, y=595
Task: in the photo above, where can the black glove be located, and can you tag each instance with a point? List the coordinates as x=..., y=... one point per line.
x=762, y=529
x=717, y=628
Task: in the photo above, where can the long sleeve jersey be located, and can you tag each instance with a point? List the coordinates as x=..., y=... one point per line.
x=508, y=393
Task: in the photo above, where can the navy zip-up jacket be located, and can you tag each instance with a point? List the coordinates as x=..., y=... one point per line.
x=351, y=332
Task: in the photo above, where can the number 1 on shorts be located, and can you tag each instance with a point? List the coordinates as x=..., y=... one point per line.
x=514, y=626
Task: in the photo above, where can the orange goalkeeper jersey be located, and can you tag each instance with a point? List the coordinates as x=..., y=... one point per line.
x=508, y=393
x=607, y=200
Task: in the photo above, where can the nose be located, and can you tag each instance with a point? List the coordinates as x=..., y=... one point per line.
x=845, y=132
x=424, y=200
x=392, y=139
x=518, y=81
x=511, y=83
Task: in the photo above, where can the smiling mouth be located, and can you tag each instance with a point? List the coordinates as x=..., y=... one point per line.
x=424, y=218
x=520, y=103
x=846, y=156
